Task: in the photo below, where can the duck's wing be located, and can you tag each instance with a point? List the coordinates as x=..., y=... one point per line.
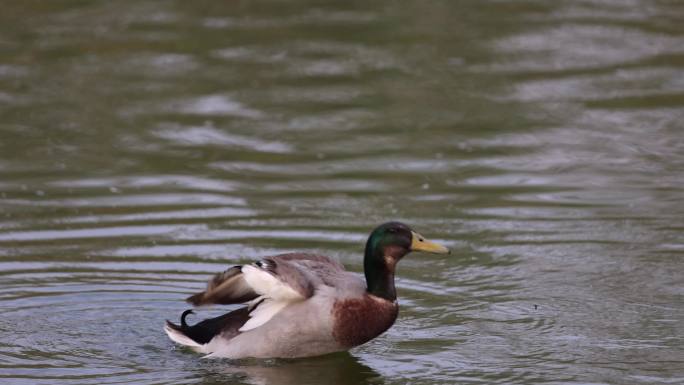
x=286, y=276
x=270, y=285
x=225, y=288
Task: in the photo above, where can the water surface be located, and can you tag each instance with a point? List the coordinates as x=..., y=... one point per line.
x=146, y=145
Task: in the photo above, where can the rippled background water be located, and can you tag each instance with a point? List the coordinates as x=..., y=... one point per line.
x=145, y=145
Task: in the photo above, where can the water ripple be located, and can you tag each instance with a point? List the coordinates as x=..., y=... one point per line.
x=145, y=148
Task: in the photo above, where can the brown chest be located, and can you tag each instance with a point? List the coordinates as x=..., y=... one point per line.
x=359, y=320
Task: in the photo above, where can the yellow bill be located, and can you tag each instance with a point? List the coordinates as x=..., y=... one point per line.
x=419, y=243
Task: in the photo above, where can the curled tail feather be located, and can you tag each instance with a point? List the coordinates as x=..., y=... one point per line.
x=200, y=334
x=178, y=333
x=185, y=314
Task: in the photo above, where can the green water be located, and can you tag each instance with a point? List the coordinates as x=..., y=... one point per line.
x=145, y=145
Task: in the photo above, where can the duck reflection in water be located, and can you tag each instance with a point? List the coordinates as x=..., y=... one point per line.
x=337, y=368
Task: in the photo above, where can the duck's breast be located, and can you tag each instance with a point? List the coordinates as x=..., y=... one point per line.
x=360, y=319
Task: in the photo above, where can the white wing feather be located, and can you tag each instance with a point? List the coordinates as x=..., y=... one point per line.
x=268, y=286
x=276, y=296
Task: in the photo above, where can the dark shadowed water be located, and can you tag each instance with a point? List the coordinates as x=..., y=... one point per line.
x=145, y=145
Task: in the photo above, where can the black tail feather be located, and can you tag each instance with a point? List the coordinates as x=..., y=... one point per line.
x=185, y=314
x=203, y=332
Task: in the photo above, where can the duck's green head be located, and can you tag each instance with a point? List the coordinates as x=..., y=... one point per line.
x=386, y=245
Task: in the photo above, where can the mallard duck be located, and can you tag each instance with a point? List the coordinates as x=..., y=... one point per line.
x=301, y=305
